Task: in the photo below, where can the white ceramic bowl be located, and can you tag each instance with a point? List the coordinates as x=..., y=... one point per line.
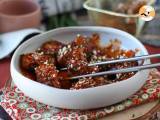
x=79, y=99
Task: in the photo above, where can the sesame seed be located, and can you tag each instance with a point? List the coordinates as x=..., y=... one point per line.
x=94, y=52
x=71, y=65
x=53, y=75
x=69, y=46
x=46, y=62
x=104, y=57
x=78, y=35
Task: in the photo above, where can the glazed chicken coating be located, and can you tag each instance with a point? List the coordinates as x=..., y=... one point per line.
x=27, y=61
x=123, y=76
x=51, y=47
x=69, y=52
x=78, y=63
x=65, y=84
x=31, y=60
x=45, y=64
x=88, y=43
x=75, y=59
x=75, y=56
x=81, y=44
x=47, y=74
x=89, y=82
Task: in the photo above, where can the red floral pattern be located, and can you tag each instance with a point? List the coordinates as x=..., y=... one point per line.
x=21, y=107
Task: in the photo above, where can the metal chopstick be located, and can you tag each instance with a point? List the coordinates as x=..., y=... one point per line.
x=126, y=59
x=124, y=70
x=122, y=60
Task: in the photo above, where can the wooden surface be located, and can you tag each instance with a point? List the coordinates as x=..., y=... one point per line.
x=137, y=113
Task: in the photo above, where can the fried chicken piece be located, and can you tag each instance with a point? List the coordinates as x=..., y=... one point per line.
x=123, y=76
x=51, y=47
x=84, y=83
x=65, y=84
x=81, y=44
x=77, y=60
x=76, y=67
x=88, y=43
x=79, y=41
x=31, y=60
x=27, y=61
x=47, y=74
x=66, y=54
x=95, y=40
x=63, y=55
x=28, y=74
x=89, y=82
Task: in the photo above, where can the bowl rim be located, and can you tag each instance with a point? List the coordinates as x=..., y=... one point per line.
x=14, y=57
x=118, y=14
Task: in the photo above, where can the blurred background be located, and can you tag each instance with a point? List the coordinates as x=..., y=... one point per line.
x=94, y=12
x=121, y=14
x=60, y=13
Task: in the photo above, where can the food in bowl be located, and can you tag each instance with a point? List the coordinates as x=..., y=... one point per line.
x=45, y=64
x=92, y=97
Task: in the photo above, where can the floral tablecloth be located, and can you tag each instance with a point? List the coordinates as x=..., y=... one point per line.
x=21, y=107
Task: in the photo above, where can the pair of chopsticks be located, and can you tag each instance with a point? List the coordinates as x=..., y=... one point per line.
x=124, y=70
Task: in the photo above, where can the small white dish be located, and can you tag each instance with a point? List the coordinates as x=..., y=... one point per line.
x=85, y=98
